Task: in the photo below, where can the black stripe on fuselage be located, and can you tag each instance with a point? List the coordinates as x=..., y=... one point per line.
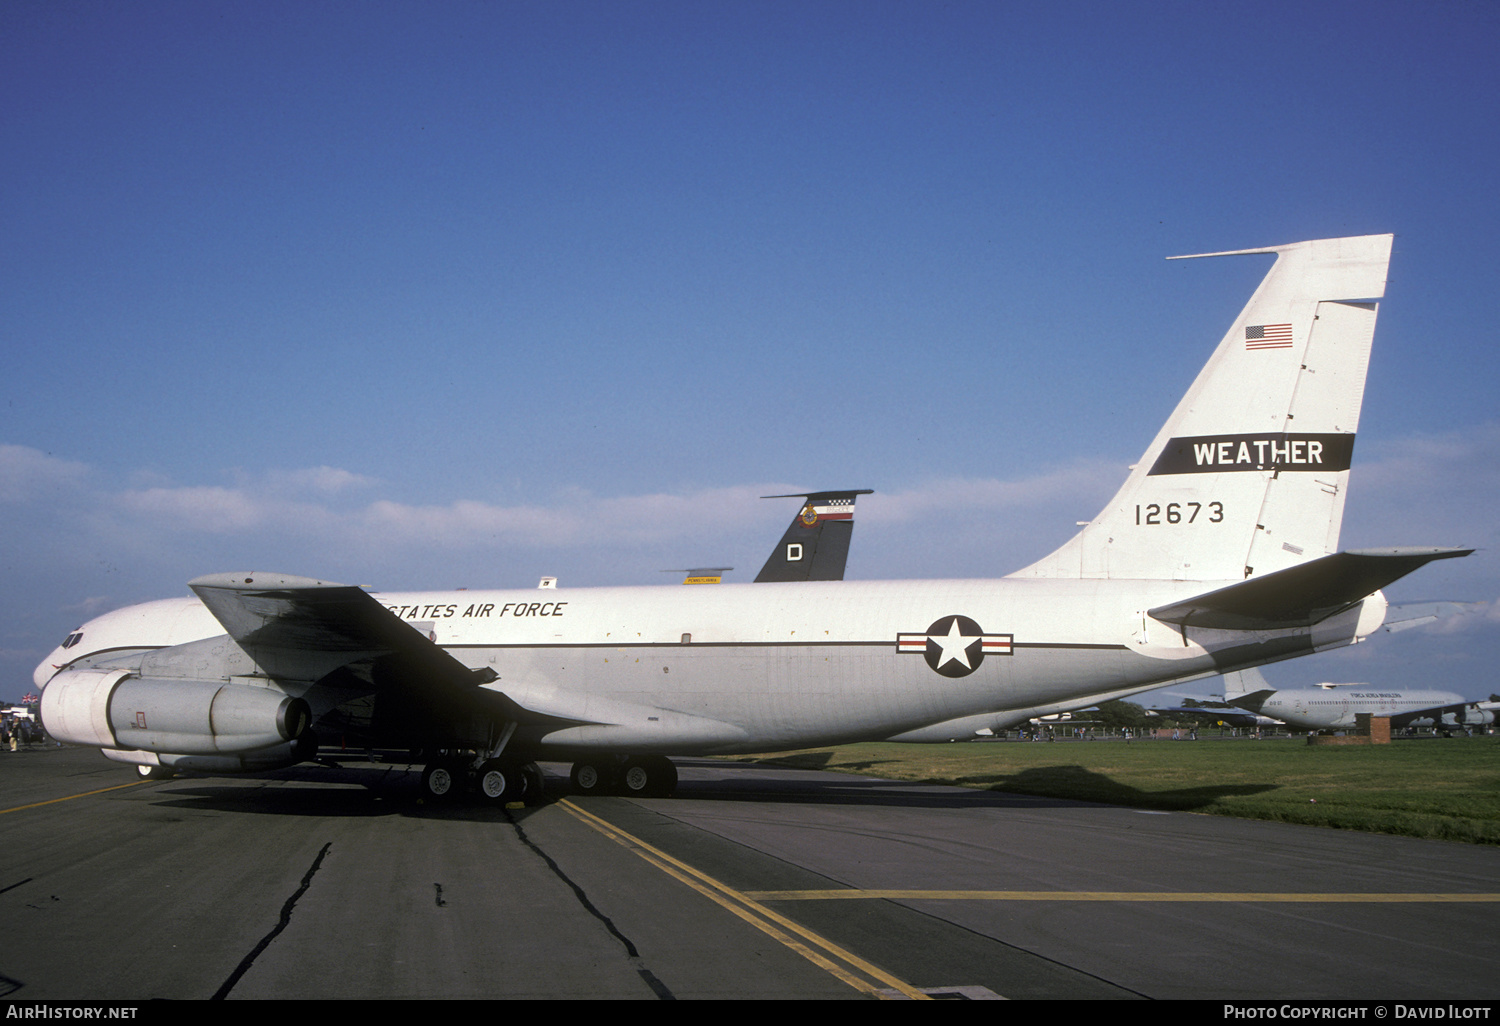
x=749, y=644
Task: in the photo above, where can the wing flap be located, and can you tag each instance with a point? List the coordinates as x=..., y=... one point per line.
x=1301, y=595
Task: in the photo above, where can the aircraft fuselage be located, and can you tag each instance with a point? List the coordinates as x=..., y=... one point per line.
x=1336, y=708
x=742, y=668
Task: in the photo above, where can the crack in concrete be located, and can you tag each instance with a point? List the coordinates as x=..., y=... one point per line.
x=265, y=942
x=658, y=988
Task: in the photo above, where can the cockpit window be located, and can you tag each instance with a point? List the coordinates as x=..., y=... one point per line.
x=72, y=639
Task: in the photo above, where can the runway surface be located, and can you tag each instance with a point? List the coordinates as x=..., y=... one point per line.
x=754, y=882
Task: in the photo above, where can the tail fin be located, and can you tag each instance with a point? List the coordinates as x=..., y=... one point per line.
x=816, y=546
x=1248, y=475
x=1240, y=683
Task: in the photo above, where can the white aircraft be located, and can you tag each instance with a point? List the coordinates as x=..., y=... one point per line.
x=1218, y=553
x=1334, y=706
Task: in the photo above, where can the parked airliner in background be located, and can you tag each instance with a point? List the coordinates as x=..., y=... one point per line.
x=1335, y=706
x=1219, y=552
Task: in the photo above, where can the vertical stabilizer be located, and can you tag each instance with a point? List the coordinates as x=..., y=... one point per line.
x=816, y=545
x=1240, y=683
x=1249, y=473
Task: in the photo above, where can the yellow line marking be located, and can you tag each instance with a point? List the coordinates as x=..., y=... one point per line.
x=52, y=801
x=1234, y=896
x=752, y=912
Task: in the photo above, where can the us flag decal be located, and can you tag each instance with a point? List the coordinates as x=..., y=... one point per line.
x=1268, y=336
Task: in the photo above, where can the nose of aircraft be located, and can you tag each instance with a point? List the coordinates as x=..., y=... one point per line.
x=46, y=668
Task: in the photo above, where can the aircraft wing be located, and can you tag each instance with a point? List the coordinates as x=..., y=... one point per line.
x=1459, y=714
x=1233, y=717
x=303, y=629
x=1300, y=595
x=298, y=628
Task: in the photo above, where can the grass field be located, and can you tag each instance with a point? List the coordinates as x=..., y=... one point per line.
x=1431, y=787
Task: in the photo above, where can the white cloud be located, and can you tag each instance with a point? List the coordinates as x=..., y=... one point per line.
x=949, y=527
x=967, y=526
x=1477, y=616
x=323, y=480
x=1079, y=483
x=90, y=606
x=578, y=518
x=143, y=538
x=1428, y=489
x=214, y=509
x=28, y=474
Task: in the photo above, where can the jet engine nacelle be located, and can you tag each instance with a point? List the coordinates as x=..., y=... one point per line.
x=117, y=709
x=1469, y=716
x=258, y=761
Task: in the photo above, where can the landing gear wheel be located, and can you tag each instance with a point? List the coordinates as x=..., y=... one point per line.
x=591, y=777
x=536, y=784
x=498, y=783
x=441, y=781
x=155, y=772
x=648, y=776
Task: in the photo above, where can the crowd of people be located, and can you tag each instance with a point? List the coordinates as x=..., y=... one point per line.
x=16, y=731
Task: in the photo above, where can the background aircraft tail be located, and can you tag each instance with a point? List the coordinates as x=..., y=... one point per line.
x=1248, y=475
x=1240, y=683
x=816, y=545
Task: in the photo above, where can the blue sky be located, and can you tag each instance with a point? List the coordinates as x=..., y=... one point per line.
x=460, y=294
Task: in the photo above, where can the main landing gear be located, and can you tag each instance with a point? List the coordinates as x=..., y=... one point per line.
x=639, y=776
x=493, y=782
x=497, y=781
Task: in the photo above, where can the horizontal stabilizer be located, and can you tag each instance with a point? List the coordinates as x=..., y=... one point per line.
x=1301, y=595
x=1253, y=700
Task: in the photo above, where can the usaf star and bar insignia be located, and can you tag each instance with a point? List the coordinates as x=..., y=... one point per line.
x=954, y=645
